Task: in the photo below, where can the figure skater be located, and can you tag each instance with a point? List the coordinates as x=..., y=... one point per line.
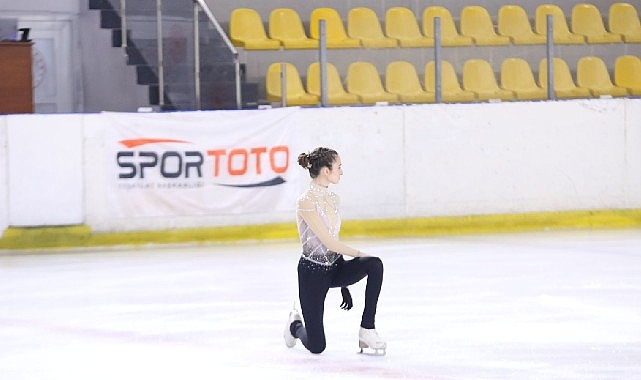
x=322, y=266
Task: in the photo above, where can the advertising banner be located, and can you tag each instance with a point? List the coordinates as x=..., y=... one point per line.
x=201, y=163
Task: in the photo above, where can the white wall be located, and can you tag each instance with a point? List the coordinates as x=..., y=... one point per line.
x=399, y=161
x=38, y=6
x=45, y=171
x=4, y=197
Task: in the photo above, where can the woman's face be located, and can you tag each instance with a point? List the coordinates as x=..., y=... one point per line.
x=336, y=171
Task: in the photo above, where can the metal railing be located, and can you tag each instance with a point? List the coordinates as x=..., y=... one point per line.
x=182, y=52
x=322, y=57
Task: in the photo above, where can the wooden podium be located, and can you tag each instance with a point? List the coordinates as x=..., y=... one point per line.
x=16, y=82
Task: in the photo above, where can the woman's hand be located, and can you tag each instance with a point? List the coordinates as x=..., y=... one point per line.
x=347, y=299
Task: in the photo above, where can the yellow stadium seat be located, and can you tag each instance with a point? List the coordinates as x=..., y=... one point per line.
x=479, y=78
x=334, y=29
x=516, y=76
x=363, y=80
x=592, y=73
x=336, y=93
x=363, y=24
x=401, y=24
x=562, y=34
x=451, y=91
x=623, y=19
x=296, y=94
x=564, y=86
x=513, y=22
x=246, y=30
x=449, y=34
x=286, y=26
x=477, y=24
x=401, y=79
x=627, y=73
x=587, y=21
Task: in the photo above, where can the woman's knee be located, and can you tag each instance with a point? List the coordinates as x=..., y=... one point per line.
x=375, y=264
x=316, y=347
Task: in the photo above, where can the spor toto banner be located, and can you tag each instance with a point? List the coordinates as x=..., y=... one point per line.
x=201, y=163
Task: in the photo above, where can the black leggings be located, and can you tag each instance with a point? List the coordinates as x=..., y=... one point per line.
x=315, y=280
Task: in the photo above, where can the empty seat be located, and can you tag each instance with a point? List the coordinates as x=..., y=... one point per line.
x=516, y=76
x=513, y=22
x=364, y=81
x=623, y=19
x=401, y=79
x=246, y=29
x=295, y=93
x=587, y=21
x=363, y=24
x=627, y=73
x=334, y=29
x=451, y=90
x=336, y=93
x=592, y=73
x=562, y=34
x=564, y=86
x=477, y=24
x=286, y=26
x=401, y=24
x=479, y=78
x=449, y=34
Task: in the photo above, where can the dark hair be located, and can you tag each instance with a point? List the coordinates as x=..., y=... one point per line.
x=317, y=159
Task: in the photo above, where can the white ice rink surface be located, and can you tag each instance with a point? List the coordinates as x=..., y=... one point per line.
x=555, y=305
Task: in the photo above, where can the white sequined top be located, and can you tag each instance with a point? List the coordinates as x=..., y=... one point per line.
x=325, y=204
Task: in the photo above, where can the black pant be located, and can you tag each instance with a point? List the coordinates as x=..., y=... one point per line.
x=315, y=280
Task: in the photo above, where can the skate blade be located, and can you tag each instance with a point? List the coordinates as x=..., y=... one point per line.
x=371, y=351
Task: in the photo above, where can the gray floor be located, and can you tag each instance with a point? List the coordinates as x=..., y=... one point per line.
x=555, y=305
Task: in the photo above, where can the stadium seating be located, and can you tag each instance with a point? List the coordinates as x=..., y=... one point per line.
x=513, y=22
x=363, y=24
x=623, y=19
x=295, y=93
x=401, y=24
x=286, y=26
x=451, y=91
x=449, y=34
x=561, y=34
x=401, y=79
x=246, y=30
x=334, y=29
x=479, y=78
x=336, y=93
x=587, y=21
x=591, y=73
x=627, y=73
x=564, y=86
x=364, y=81
x=476, y=23
x=516, y=76
x=401, y=28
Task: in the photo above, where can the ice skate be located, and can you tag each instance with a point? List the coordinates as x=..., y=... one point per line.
x=368, y=338
x=290, y=339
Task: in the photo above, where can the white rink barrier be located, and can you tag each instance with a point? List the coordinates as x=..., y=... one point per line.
x=128, y=172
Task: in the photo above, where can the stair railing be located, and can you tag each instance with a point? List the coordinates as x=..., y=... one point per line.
x=199, y=7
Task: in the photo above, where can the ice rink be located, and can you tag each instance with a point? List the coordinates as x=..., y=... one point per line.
x=548, y=305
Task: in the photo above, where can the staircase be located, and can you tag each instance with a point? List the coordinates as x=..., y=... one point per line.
x=219, y=70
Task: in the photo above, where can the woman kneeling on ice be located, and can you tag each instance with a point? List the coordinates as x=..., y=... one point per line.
x=322, y=266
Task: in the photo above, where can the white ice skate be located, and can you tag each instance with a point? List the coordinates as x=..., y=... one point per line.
x=290, y=340
x=368, y=338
